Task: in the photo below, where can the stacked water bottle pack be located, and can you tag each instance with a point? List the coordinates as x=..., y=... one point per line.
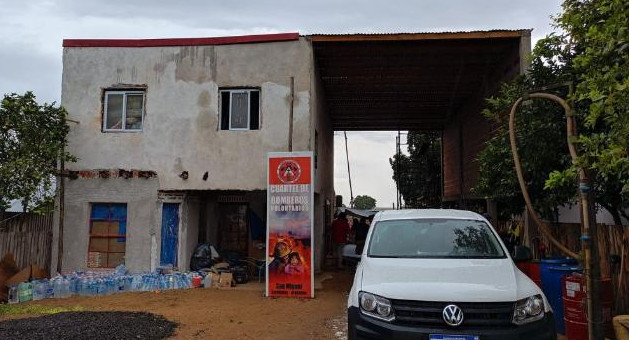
x=99, y=283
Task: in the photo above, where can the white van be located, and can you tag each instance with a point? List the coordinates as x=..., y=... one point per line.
x=442, y=275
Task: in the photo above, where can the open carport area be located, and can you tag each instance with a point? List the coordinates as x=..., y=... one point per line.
x=421, y=81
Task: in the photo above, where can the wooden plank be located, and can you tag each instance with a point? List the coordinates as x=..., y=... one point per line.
x=28, y=238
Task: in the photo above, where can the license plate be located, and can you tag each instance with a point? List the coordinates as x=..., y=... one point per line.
x=453, y=337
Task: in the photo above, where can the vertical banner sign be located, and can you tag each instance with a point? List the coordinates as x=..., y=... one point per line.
x=290, y=197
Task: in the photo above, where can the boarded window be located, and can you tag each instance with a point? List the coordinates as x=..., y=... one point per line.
x=240, y=109
x=108, y=235
x=124, y=111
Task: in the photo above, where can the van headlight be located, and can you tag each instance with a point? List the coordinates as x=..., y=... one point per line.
x=376, y=306
x=528, y=310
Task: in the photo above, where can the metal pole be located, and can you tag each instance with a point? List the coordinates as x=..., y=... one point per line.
x=61, y=214
x=290, y=114
x=349, y=174
x=590, y=254
x=398, y=150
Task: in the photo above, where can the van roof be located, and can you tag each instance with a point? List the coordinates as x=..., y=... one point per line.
x=427, y=213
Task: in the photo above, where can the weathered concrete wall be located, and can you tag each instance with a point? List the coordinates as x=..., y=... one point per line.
x=140, y=195
x=324, y=171
x=182, y=110
x=189, y=233
x=181, y=133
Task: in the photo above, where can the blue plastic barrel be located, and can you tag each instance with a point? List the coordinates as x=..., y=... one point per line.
x=551, y=271
x=549, y=284
x=544, y=269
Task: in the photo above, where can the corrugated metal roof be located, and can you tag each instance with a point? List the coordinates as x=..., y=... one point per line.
x=422, y=32
x=419, y=36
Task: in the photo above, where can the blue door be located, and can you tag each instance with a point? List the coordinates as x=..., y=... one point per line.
x=170, y=231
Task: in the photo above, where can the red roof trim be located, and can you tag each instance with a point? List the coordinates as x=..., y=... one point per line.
x=244, y=39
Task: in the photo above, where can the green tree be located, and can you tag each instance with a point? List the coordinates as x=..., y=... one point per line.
x=541, y=139
x=32, y=141
x=592, y=54
x=597, y=36
x=364, y=202
x=418, y=174
x=597, y=33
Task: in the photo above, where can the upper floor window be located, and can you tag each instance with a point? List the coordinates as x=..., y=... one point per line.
x=124, y=110
x=240, y=109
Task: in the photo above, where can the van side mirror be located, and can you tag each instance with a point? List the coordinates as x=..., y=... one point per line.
x=522, y=254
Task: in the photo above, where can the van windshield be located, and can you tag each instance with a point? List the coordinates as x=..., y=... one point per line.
x=434, y=238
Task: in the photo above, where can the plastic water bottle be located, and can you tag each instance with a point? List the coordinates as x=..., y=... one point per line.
x=13, y=295
x=36, y=292
x=57, y=290
x=136, y=283
x=102, y=288
x=207, y=281
x=93, y=284
x=171, y=282
x=187, y=281
x=120, y=270
x=66, y=288
x=84, y=287
x=40, y=289
x=74, y=285
x=128, y=283
x=112, y=286
x=49, y=289
x=25, y=291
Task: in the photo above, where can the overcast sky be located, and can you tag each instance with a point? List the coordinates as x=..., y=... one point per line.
x=31, y=33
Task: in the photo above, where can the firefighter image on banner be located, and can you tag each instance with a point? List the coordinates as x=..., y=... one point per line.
x=289, y=246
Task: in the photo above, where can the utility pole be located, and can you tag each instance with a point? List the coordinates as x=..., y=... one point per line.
x=349, y=174
x=398, y=177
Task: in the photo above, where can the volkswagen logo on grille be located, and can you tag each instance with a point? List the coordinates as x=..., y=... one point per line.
x=453, y=315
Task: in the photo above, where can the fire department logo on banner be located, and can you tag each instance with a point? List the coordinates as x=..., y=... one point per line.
x=288, y=171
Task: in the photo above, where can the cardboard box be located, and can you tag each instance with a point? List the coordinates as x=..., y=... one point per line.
x=225, y=280
x=38, y=273
x=8, y=268
x=215, y=279
x=22, y=276
x=30, y=272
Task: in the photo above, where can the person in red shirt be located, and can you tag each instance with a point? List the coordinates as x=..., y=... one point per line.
x=340, y=233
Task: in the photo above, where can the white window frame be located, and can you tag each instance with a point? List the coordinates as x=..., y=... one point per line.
x=231, y=100
x=124, y=110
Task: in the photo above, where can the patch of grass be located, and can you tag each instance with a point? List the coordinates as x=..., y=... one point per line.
x=35, y=309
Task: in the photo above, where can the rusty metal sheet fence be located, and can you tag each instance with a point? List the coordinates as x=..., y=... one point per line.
x=28, y=237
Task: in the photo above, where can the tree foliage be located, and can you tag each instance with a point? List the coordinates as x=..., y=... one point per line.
x=541, y=139
x=597, y=33
x=32, y=141
x=592, y=55
x=364, y=202
x=418, y=174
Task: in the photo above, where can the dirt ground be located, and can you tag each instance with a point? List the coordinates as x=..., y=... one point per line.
x=239, y=313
